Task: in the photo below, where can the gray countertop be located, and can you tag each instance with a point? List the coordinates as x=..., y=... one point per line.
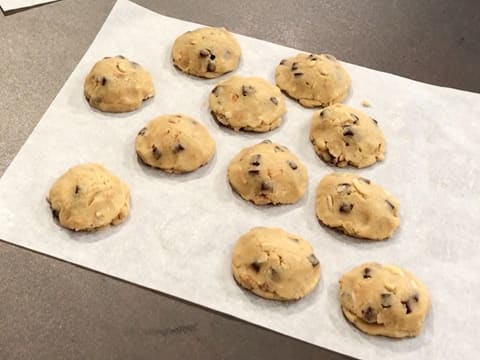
x=50, y=309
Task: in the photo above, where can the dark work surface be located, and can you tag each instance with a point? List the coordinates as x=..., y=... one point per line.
x=54, y=310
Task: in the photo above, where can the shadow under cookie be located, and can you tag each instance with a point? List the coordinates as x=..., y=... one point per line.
x=92, y=235
x=202, y=171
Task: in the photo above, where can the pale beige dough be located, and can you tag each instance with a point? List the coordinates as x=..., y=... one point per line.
x=175, y=144
x=89, y=197
x=384, y=300
x=275, y=264
x=247, y=103
x=313, y=80
x=357, y=207
x=268, y=173
x=343, y=136
x=206, y=52
x=116, y=84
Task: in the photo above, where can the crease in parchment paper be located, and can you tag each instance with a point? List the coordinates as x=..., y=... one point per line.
x=181, y=229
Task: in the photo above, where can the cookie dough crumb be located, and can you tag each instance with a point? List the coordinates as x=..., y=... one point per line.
x=366, y=103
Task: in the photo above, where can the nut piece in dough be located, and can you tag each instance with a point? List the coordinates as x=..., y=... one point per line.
x=274, y=264
x=247, y=103
x=175, y=144
x=206, y=52
x=384, y=300
x=313, y=80
x=89, y=197
x=357, y=207
x=345, y=136
x=268, y=173
x=116, y=84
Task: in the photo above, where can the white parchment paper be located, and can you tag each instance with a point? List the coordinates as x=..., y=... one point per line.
x=181, y=230
x=8, y=5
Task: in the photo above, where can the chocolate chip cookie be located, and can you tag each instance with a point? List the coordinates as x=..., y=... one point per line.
x=247, y=103
x=343, y=136
x=357, y=207
x=274, y=264
x=116, y=84
x=313, y=80
x=268, y=173
x=88, y=197
x=384, y=300
x=175, y=144
x=206, y=52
